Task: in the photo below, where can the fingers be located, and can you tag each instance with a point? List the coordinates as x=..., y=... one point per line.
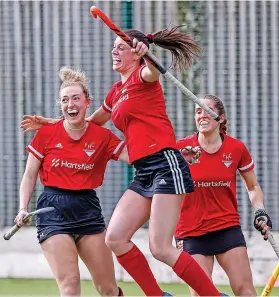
x=38, y=119
x=29, y=117
x=27, y=130
x=20, y=217
x=196, y=149
x=32, y=123
x=262, y=226
x=139, y=48
x=19, y=220
x=25, y=122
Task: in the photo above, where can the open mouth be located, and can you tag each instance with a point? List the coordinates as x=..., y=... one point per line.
x=115, y=60
x=204, y=123
x=73, y=113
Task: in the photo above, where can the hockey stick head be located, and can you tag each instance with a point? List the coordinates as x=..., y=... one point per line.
x=16, y=227
x=96, y=12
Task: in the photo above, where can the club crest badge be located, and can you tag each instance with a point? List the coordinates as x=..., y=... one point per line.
x=89, y=148
x=179, y=245
x=227, y=160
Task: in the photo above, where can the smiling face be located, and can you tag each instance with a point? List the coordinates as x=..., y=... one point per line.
x=122, y=57
x=204, y=122
x=74, y=104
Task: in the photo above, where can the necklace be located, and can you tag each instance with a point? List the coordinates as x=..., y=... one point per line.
x=66, y=125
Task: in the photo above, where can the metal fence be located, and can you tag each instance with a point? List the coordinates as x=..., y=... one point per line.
x=240, y=63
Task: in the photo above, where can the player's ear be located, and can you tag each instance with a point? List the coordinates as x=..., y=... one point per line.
x=88, y=102
x=136, y=57
x=222, y=118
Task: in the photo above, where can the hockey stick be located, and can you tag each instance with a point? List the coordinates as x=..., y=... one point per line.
x=96, y=12
x=272, y=280
x=15, y=228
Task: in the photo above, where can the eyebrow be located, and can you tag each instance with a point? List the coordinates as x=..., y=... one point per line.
x=198, y=108
x=70, y=96
x=121, y=44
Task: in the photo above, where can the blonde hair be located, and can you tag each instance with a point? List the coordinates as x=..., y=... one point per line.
x=71, y=77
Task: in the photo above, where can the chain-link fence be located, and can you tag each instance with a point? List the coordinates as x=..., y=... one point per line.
x=240, y=63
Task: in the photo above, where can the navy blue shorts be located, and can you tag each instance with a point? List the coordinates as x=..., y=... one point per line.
x=76, y=213
x=165, y=172
x=213, y=243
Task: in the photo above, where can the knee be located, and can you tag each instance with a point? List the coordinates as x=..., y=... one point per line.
x=106, y=289
x=112, y=241
x=245, y=289
x=69, y=285
x=159, y=251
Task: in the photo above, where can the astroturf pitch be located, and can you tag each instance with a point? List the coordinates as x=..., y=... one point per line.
x=42, y=287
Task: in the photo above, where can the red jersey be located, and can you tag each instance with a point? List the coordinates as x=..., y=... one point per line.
x=213, y=205
x=138, y=110
x=74, y=164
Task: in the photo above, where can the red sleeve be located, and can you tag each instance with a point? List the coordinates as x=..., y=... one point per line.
x=107, y=104
x=115, y=147
x=189, y=140
x=246, y=162
x=181, y=143
x=38, y=144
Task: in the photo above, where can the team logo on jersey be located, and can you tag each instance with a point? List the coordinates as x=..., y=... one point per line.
x=55, y=162
x=70, y=165
x=179, y=245
x=206, y=184
x=89, y=148
x=59, y=145
x=227, y=159
x=122, y=98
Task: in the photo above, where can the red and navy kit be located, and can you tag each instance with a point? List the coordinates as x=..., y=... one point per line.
x=138, y=110
x=74, y=164
x=213, y=204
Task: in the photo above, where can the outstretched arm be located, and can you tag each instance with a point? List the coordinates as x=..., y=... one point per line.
x=33, y=123
x=99, y=117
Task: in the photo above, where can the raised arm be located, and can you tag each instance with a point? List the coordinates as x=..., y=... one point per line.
x=99, y=117
x=149, y=73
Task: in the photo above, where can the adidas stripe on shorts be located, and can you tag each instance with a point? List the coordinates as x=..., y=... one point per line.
x=165, y=172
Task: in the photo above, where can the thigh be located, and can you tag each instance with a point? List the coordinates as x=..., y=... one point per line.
x=206, y=263
x=131, y=212
x=235, y=263
x=61, y=253
x=98, y=258
x=164, y=215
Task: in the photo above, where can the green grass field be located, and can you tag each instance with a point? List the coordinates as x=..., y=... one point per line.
x=42, y=287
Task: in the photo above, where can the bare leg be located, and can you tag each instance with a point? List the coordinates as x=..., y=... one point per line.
x=235, y=263
x=61, y=254
x=164, y=215
x=98, y=259
x=206, y=263
x=131, y=212
x=165, y=210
